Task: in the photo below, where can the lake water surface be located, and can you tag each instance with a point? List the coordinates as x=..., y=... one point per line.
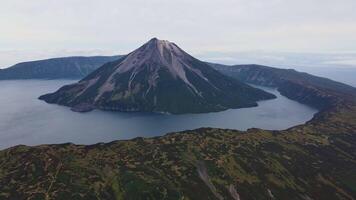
x=26, y=120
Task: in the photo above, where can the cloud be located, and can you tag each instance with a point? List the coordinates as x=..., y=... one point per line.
x=284, y=59
x=196, y=25
x=342, y=62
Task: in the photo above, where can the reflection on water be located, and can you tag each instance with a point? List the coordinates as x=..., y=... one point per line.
x=26, y=120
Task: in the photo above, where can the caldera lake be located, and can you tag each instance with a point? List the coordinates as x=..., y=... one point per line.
x=26, y=120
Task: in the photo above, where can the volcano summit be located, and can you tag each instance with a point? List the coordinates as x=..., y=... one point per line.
x=157, y=77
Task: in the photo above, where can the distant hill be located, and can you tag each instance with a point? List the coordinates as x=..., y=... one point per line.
x=300, y=86
x=157, y=77
x=56, y=68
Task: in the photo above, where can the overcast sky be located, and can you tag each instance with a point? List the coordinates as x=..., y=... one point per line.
x=34, y=29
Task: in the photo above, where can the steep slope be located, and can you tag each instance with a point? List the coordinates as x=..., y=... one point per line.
x=316, y=91
x=56, y=68
x=157, y=77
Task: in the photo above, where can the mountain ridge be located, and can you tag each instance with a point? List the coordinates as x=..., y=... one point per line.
x=157, y=77
x=300, y=86
x=72, y=67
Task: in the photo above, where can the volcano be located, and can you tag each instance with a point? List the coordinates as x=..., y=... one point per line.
x=157, y=77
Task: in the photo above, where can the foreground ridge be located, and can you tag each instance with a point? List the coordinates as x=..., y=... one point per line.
x=316, y=160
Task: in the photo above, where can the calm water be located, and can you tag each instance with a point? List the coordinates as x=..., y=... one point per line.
x=26, y=120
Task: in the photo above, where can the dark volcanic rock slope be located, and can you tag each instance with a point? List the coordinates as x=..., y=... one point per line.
x=56, y=68
x=157, y=77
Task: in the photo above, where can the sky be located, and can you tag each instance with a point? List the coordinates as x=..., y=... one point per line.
x=276, y=32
